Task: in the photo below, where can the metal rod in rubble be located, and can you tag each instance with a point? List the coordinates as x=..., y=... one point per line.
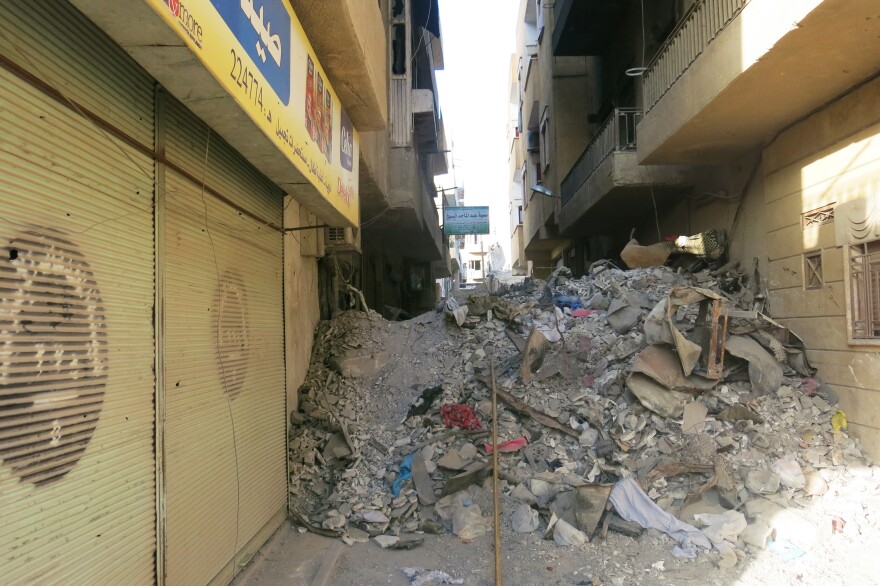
x=495, y=506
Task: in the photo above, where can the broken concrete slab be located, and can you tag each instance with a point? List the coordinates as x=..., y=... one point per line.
x=694, y=417
x=422, y=481
x=663, y=365
x=452, y=460
x=622, y=317
x=590, y=502
x=472, y=474
x=656, y=397
x=533, y=356
x=765, y=373
x=736, y=413
x=336, y=448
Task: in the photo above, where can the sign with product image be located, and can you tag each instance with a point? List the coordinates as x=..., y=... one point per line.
x=259, y=53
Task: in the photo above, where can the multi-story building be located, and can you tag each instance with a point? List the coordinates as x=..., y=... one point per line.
x=180, y=182
x=399, y=251
x=756, y=117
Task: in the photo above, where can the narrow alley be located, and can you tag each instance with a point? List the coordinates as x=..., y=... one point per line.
x=424, y=292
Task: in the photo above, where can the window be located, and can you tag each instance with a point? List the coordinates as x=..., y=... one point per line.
x=818, y=216
x=545, y=146
x=474, y=265
x=520, y=214
x=813, y=278
x=539, y=13
x=398, y=49
x=525, y=186
x=864, y=294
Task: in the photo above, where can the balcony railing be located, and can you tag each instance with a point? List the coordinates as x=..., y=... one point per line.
x=617, y=134
x=699, y=27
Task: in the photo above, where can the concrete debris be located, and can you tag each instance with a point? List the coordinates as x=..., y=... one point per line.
x=765, y=372
x=423, y=577
x=619, y=395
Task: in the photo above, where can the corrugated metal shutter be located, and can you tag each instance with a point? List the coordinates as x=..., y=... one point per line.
x=224, y=441
x=77, y=467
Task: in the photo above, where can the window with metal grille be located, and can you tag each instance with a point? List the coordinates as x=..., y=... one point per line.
x=864, y=270
x=813, y=278
x=818, y=216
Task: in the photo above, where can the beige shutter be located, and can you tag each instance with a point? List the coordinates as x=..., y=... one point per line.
x=77, y=467
x=224, y=400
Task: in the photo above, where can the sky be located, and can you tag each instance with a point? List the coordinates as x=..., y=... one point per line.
x=478, y=38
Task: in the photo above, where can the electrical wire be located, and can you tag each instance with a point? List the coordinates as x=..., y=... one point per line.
x=425, y=28
x=223, y=379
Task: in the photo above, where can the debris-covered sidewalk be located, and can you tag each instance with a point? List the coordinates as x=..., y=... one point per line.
x=628, y=401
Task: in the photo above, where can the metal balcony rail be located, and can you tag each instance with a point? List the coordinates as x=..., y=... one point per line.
x=699, y=27
x=618, y=133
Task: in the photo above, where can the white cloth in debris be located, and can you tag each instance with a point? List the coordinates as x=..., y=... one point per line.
x=632, y=504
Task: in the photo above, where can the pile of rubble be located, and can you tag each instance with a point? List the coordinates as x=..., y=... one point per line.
x=626, y=400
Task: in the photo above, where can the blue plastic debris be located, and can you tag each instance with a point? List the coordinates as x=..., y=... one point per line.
x=405, y=473
x=570, y=301
x=785, y=549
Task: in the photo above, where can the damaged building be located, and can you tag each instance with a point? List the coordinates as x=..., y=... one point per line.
x=186, y=188
x=754, y=122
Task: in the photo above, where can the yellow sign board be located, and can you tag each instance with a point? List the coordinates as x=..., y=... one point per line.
x=259, y=53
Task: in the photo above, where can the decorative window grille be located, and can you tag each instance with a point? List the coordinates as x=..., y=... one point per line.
x=818, y=216
x=864, y=268
x=813, y=278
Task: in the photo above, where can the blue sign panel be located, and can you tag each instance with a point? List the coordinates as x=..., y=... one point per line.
x=263, y=29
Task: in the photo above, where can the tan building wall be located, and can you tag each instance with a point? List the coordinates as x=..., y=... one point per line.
x=833, y=157
x=301, y=310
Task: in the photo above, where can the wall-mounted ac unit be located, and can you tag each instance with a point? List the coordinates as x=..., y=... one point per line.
x=533, y=141
x=342, y=239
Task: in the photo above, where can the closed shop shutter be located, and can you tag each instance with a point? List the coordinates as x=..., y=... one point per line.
x=224, y=439
x=77, y=466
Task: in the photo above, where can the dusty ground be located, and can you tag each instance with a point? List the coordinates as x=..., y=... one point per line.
x=292, y=558
x=298, y=558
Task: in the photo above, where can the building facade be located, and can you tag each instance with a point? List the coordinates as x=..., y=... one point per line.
x=754, y=117
x=181, y=182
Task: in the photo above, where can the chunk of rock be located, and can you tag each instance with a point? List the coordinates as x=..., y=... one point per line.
x=789, y=472
x=621, y=317
x=386, y=541
x=814, y=484
x=757, y=534
x=762, y=482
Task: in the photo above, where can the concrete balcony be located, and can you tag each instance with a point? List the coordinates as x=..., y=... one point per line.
x=606, y=190
x=401, y=213
x=426, y=119
x=735, y=72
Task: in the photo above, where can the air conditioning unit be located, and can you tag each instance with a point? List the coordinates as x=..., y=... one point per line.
x=533, y=141
x=342, y=239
